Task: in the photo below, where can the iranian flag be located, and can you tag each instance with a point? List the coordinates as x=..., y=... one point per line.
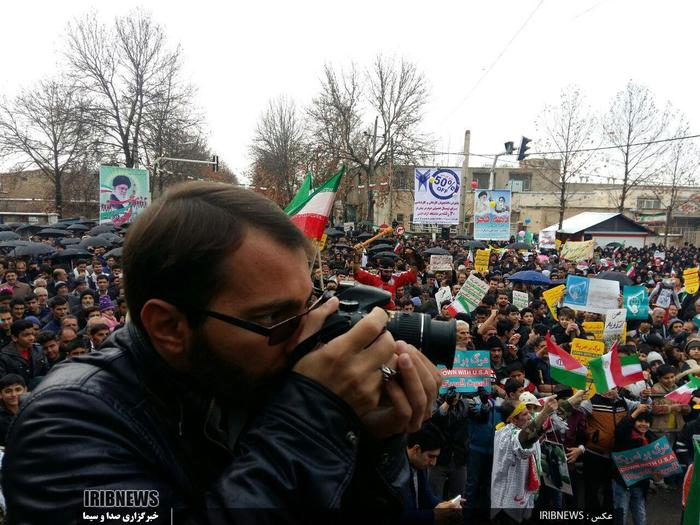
x=691, y=490
x=564, y=368
x=302, y=195
x=311, y=214
x=630, y=270
x=683, y=394
x=612, y=370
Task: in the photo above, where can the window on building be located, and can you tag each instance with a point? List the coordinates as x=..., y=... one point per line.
x=400, y=182
x=399, y=217
x=525, y=178
x=648, y=203
x=411, y=217
x=482, y=180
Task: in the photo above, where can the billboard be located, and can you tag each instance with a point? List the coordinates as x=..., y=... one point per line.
x=436, y=195
x=124, y=192
x=492, y=215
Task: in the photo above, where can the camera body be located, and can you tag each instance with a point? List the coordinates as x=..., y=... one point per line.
x=436, y=339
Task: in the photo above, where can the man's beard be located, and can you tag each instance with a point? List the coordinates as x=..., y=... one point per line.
x=230, y=384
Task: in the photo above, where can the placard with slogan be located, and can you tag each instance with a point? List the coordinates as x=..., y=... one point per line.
x=594, y=329
x=471, y=370
x=469, y=296
x=591, y=295
x=690, y=278
x=636, y=299
x=643, y=462
x=481, y=263
x=584, y=350
x=520, y=299
x=577, y=251
x=440, y=262
x=551, y=297
x=436, y=195
x=492, y=215
x=615, y=326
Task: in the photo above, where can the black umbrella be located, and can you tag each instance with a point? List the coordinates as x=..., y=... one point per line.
x=382, y=241
x=95, y=241
x=462, y=237
x=475, y=245
x=60, y=225
x=102, y=228
x=620, y=277
x=117, y=252
x=13, y=243
x=8, y=236
x=376, y=249
x=342, y=246
x=436, y=250
x=5, y=227
x=385, y=255
x=68, y=241
x=518, y=246
x=365, y=223
x=78, y=228
x=52, y=232
x=25, y=229
x=33, y=249
x=365, y=236
x=70, y=253
x=113, y=237
x=330, y=232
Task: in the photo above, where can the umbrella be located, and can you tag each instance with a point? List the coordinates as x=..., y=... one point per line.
x=330, y=232
x=385, y=255
x=365, y=236
x=365, y=223
x=117, y=252
x=518, y=246
x=614, y=245
x=69, y=253
x=78, y=228
x=383, y=242
x=52, y=232
x=475, y=245
x=68, y=241
x=5, y=227
x=462, y=237
x=95, y=241
x=8, y=236
x=29, y=228
x=112, y=237
x=102, y=228
x=620, y=277
x=33, y=249
x=529, y=277
x=342, y=246
x=436, y=250
x=377, y=249
x=60, y=225
x=13, y=243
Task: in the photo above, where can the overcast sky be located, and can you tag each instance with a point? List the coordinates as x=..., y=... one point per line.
x=241, y=54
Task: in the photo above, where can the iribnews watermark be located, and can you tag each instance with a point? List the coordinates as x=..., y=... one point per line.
x=120, y=506
x=573, y=516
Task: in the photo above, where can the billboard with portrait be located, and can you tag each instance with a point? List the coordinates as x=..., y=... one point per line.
x=492, y=215
x=124, y=193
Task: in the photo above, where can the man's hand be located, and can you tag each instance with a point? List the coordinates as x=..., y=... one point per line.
x=550, y=406
x=349, y=365
x=579, y=396
x=447, y=510
x=572, y=454
x=408, y=403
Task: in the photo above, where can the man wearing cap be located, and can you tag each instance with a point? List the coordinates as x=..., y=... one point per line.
x=387, y=279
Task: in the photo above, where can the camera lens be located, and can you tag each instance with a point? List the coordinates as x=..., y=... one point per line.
x=436, y=339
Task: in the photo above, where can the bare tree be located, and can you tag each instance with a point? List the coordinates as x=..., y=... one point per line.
x=279, y=150
x=46, y=127
x=371, y=120
x=121, y=68
x=566, y=129
x=634, y=118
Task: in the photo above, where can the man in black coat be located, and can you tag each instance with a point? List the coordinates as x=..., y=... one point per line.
x=201, y=397
x=22, y=356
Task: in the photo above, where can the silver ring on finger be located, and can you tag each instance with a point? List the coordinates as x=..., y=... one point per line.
x=388, y=372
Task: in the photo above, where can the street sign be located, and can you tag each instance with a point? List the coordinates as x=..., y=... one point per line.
x=400, y=230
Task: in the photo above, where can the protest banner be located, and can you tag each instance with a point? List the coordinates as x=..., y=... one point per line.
x=636, y=300
x=640, y=463
x=660, y=255
x=551, y=297
x=664, y=298
x=520, y=299
x=584, y=350
x=594, y=329
x=442, y=295
x=577, y=251
x=591, y=295
x=469, y=296
x=481, y=263
x=471, y=370
x=555, y=472
x=124, y=193
x=436, y=198
x=690, y=278
x=615, y=326
x=492, y=215
x=440, y=263
x=547, y=240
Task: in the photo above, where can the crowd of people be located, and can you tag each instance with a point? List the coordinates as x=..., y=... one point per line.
x=500, y=469
x=191, y=394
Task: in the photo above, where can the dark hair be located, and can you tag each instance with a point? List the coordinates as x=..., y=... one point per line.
x=429, y=437
x=96, y=328
x=11, y=379
x=503, y=326
x=19, y=326
x=46, y=336
x=645, y=416
x=102, y=277
x=78, y=342
x=15, y=302
x=80, y=261
x=174, y=248
x=660, y=372
x=30, y=297
x=566, y=312
x=512, y=385
x=494, y=342
x=57, y=300
x=515, y=365
x=5, y=309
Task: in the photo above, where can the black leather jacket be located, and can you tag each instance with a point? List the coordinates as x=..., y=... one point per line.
x=12, y=362
x=120, y=418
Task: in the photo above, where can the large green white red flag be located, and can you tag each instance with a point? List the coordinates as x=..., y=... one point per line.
x=613, y=370
x=563, y=367
x=302, y=195
x=311, y=214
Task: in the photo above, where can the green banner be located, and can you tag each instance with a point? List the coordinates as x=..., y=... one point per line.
x=124, y=193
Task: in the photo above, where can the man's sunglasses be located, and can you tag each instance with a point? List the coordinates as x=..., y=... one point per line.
x=276, y=333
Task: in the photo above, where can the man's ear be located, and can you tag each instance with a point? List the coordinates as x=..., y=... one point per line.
x=169, y=331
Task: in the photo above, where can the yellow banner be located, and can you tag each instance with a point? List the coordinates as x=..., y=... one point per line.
x=584, y=350
x=690, y=278
x=551, y=297
x=577, y=251
x=594, y=328
x=481, y=262
x=323, y=242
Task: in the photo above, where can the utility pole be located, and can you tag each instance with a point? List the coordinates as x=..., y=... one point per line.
x=463, y=189
x=370, y=171
x=390, y=185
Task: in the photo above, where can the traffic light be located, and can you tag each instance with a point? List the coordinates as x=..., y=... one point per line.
x=509, y=148
x=215, y=163
x=522, y=150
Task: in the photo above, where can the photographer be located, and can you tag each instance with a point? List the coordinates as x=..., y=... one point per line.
x=196, y=397
x=447, y=478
